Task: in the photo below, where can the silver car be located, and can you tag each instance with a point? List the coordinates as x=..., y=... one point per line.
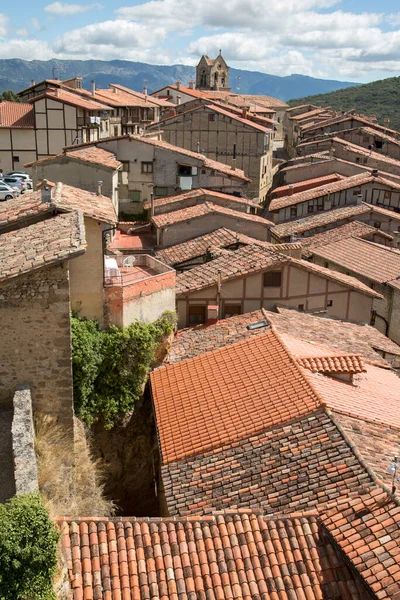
x=6, y=192
x=15, y=182
x=20, y=175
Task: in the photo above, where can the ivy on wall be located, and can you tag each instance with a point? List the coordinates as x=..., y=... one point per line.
x=28, y=549
x=110, y=367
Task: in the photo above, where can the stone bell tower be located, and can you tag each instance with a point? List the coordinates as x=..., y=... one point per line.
x=212, y=74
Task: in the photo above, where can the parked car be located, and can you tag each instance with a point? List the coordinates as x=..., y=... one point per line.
x=6, y=192
x=21, y=175
x=15, y=182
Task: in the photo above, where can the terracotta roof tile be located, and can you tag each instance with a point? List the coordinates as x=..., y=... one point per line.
x=354, y=117
x=65, y=197
x=244, y=261
x=90, y=154
x=123, y=97
x=177, y=216
x=373, y=261
x=307, y=184
x=348, y=230
x=327, y=218
x=69, y=97
x=355, y=181
x=296, y=466
x=200, y=194
x=218, y=397
x=16, y=115
x=339, y=335
x=365, y=152
x=196, y=247
x=224, y=557
x=41, y=244
x=367, y=530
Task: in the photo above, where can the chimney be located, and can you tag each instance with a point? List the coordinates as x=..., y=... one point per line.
x=396, y=236
x=99, y=188
x=291, y=190
x=178, y=99
x=57, y=92
x=212, y=314
x=152, y=204
x=46, y=189
x=32, y=82
x=359, y=199
x=374, y=172
x=178, y=84
x=191, y=85
x=93, y=87
x=244, y=113
x=145, y=92
x=115, y=90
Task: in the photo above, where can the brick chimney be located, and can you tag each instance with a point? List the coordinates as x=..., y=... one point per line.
x=244, y=113
x=291, y=190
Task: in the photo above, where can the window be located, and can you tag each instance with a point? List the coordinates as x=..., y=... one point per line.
x=115, y=129
x=320, y=204
x=184, y=170
x=365, y=160
x=203, y=171
x=356, y=192
x=293, y=211
x=326, y=265
x=378, y=144
x=135, y=195
x=161, y=191
x=310, y=208
x=15, y=158
x=125, y=166
x=300, y=307
x=357, y=159
x=211, y=117
x=377, y=224
x=272, y=279
x=197, y=315
x=329, y=303
x=387, y=194
x=147, y=167
x=231, y=310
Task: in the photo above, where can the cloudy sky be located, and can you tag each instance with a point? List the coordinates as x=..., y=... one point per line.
x=354, y=40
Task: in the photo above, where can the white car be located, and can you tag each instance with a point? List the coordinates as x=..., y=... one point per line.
x=7, y=192
x=19, y=175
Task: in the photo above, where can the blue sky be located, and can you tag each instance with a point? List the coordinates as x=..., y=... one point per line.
x=338, y=39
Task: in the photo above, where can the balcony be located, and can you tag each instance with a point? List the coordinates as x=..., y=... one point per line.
x=137, y=287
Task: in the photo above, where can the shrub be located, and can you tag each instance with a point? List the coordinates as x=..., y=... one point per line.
x=111, y=367
x=28, y=550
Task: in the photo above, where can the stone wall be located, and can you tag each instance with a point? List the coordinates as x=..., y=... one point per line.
x=23, y=442
x=36, y=347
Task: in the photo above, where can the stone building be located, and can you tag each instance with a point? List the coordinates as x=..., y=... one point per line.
x=35, y=310
x=226, y=137
x=212, y=74
x=255, y=277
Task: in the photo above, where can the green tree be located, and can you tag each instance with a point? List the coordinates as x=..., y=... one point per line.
x=9, y=96
x=28, y=549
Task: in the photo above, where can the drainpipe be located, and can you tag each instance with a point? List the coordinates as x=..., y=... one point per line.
x=219, y=290
x=152, y=204
x=374, y=316
x=104, y=245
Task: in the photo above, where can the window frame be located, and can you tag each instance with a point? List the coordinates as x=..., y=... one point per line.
x=147, y=167
x=272, y=275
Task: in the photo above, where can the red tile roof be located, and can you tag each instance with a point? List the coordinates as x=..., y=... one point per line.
x=200, y=193
x=121, y=97
x=355, y=181
x=65, y=197
x=41, y=244
x=365, y=152
x=354, y=118
x=367, y=530
x=69, y=97
x=373, y=261
x=177, y=216
x=16, y=115
x=348, y=230
x=150, y=98
x=220, y=397
x=90, y=154
x=328, y=217
x=307, y=184
x=224, y=557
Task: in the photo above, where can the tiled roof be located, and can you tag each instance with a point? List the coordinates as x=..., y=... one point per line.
x=344, y=118
x=305, y=185
x=91, y=154
x=199, y=193
x=194, y=341
x=352, y=229
x=150, y=98
x=359, y=399
x=373, y=261
x=41, y=244
x=344, y=184
x=122, y=97
x=205, y=402
x=328, y=217
x=65, y=197
x=191, y=212
x=336, y=334
x=311, y=113
x=365, y=152
x=220, y=238
x=367, y=530
x=62, y=95
x=268, y=101
x=224, y=557
x=295, y=466
x=350, y=363
x=380, y=135
x=16, y=115
x=244, y=261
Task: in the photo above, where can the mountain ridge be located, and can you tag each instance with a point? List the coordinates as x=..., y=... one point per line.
x=16, y=74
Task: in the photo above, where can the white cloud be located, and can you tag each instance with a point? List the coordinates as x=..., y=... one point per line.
x=60, y=8
x=23, y=32
x=25, y=49
x=3, y=25
x=36, y=24
x=114, y=39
